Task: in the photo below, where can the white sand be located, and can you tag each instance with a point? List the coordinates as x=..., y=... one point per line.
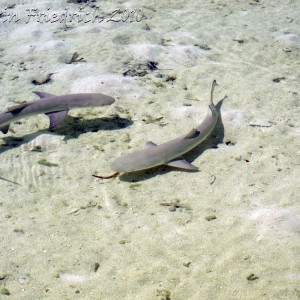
x=67, y=235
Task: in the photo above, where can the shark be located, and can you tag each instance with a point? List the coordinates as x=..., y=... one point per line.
x=55, y=107
x=169, y=153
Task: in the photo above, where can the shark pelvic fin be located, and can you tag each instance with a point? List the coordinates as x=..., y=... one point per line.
x=181, y=163
x=43, y=94
x=56, y=118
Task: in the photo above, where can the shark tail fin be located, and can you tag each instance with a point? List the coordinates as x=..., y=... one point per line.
x=4, y=128
x=214, y=84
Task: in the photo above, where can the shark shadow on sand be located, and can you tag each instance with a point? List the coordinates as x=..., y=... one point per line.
x=72, y=127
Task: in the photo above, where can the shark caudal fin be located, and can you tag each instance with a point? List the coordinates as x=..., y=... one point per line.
x=14, y=111
x=214, y=84
x=4, y=129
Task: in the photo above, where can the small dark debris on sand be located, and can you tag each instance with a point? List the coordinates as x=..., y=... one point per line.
x=210, y=217
x=80, y=1
x=141, y=69
x=252, y=277
x=74, y=59
x=278, y=79
x=41, y=81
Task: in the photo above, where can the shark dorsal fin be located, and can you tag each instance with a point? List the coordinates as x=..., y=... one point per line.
x=43, y=94
x=192, y=134
x=150, y=144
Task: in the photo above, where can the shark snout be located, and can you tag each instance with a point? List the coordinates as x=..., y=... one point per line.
x=110, y=100
x=99, y=100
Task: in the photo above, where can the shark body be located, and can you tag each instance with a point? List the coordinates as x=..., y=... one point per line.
x=168, y=153
x=55, y=107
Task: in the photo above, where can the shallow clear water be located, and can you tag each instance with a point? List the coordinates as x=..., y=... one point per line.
x=230, y=231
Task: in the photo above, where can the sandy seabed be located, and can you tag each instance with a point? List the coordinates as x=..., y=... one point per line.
x=229, y=231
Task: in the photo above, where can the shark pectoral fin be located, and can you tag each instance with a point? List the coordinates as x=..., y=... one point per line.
x=43, y=94
x=4, y=128
x=181, y=163
x=56, y=117
x=150, y=144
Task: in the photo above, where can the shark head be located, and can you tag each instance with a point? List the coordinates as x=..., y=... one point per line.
x=98, y=100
